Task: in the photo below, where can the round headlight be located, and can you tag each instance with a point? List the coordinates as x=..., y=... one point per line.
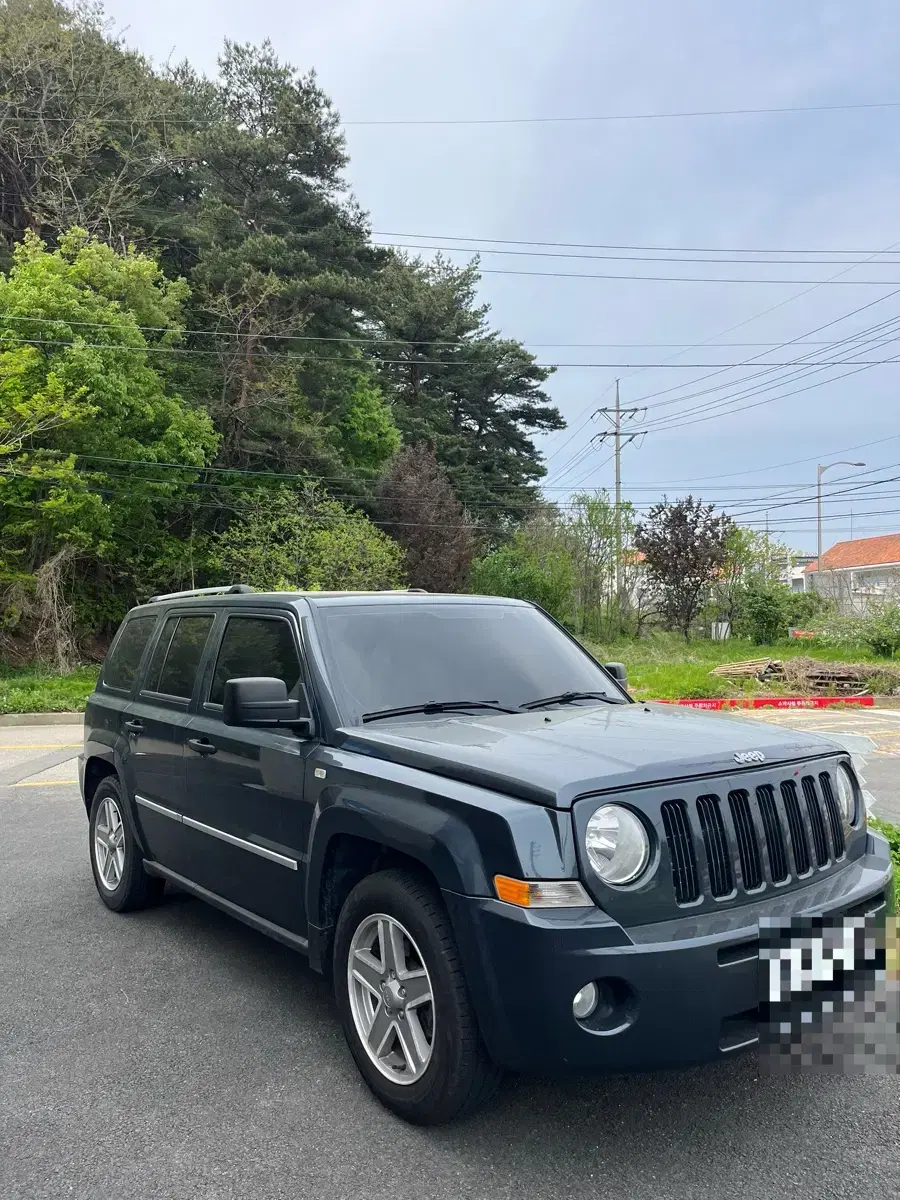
x=617, y=844
x=846, y=794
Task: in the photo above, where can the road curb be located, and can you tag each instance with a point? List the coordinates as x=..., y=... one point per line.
x=12, y=720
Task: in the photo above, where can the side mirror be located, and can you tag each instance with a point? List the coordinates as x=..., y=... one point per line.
x=264, y=703
x=618, y=672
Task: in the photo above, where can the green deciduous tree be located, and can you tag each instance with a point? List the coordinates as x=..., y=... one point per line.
x=519, y=571
x=299, y=538
x=753, y=559
x=368, y=434
x=82, y=395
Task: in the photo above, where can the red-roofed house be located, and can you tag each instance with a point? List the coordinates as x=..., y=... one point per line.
x=860, y=574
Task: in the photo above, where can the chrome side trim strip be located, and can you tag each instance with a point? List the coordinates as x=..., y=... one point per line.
x=159, y=808
x=241, y=843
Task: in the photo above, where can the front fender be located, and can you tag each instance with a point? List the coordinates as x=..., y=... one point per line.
x=463, y=835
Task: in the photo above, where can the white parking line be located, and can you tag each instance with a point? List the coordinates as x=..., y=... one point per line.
x=26, y=747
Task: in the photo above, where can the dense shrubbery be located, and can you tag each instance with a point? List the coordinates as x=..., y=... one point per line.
x=878, y=632
x=517, y=570
x=765, y=612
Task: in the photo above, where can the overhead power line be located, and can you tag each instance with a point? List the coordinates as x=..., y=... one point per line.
x=397, y=362
x=389, y=341
x=448, y=237
x=178, y=116
x=794, y=462
x=687, y=278
x=676, y=420
x=883, y=334
x=755, y=358
x=651, y=258
x=584, y=416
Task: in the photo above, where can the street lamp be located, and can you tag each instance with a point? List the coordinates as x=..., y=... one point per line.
x=820, y=471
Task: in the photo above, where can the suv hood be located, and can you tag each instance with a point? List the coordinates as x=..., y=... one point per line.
x=554, y=756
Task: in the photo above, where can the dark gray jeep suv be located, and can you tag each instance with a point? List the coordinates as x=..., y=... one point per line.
x=500, y=859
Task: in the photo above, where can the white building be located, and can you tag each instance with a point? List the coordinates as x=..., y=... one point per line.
x=860, y=575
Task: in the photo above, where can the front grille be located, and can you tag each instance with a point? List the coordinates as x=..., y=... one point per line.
x=718, y=855
x=816, y=820
x=677, y=826
x=721, y=845
x=799, y=840
x=775, y=845
x=747, y=841
x=834, y=815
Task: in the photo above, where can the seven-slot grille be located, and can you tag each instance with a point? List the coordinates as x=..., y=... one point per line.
x=742, y=838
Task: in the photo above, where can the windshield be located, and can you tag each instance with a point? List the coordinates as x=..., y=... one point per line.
x=384, y=656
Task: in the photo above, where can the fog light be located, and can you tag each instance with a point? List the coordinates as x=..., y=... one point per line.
x=585, y=1001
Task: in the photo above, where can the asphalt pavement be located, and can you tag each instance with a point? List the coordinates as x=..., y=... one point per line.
x=176, y=1055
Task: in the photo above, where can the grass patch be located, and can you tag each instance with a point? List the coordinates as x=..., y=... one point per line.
x=892, y=833
x=38, y=689
x=665, y=667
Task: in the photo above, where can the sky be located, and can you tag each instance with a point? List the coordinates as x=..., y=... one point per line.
x=790, y=181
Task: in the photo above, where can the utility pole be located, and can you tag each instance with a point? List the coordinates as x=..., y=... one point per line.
x=618, y=441
x=615, y=417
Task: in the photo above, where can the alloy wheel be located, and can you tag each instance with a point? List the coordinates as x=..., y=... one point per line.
x=109, y=844
x=391, y=998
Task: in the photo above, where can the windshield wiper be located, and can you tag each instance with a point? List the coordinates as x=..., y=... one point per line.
x=437, y=706
x=570, y=698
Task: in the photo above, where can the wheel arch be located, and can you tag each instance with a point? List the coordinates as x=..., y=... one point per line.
x=345, y=859
x=97, y=768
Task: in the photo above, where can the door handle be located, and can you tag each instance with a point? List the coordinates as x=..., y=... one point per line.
x=134, y=726
x=201, y=747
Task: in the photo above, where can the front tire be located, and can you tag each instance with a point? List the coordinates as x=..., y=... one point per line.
x=116, y=859
x=404, y=1004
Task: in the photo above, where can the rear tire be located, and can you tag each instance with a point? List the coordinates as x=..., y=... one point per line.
x=427, y=1062
x=116, y=859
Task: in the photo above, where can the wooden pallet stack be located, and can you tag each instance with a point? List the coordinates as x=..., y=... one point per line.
x=752, y=668
x=807, y=674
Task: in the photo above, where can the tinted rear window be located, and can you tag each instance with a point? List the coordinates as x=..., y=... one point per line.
x=124, y=659
x=176, y=658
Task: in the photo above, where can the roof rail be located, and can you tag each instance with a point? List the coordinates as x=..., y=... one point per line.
x=228, y=589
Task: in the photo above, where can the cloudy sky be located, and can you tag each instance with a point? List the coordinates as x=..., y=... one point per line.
x=792, y=181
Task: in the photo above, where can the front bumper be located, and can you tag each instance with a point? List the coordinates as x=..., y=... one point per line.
x=687, y=990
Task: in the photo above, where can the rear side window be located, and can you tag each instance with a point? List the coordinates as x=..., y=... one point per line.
x=124, y=659
x=173, y=667
x=256, y=646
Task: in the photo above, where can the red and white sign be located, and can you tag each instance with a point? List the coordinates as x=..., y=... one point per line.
x=775, y=702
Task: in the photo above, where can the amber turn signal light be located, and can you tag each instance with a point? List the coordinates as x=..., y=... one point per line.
x=563, y=893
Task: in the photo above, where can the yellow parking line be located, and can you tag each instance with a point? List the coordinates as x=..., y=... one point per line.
x=46, y=783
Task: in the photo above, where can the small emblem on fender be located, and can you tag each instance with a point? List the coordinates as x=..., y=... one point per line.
x=750, y=756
